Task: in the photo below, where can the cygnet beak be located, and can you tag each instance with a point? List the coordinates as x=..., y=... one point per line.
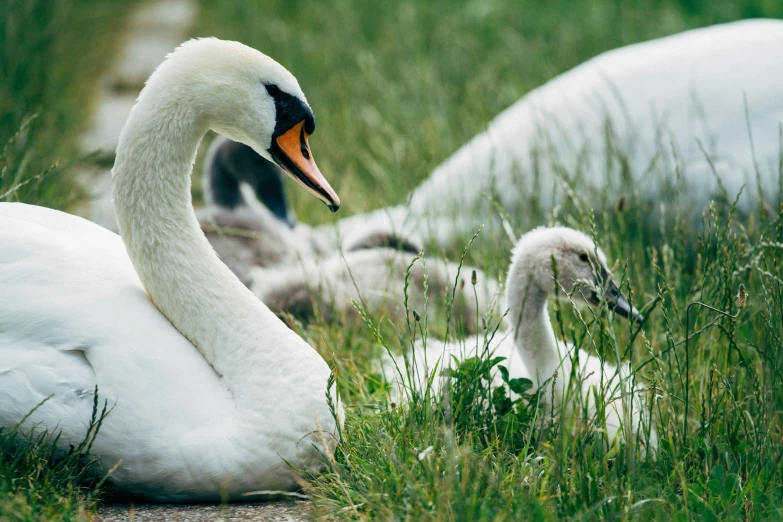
x=617, y=302
x=620, y=305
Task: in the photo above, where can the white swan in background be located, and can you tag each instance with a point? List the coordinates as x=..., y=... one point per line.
x=667, y=93
x=529, y=345
x=210, y=393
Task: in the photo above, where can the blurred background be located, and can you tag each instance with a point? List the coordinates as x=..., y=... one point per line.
x=396, y=86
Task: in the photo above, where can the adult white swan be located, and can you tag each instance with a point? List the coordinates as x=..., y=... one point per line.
x=529, y=345
x=210, y=393
x=651, y=99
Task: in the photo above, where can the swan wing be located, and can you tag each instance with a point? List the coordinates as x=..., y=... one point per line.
x=52, y=282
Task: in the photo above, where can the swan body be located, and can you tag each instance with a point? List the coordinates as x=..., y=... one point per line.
x=251, y=236
x=294, y=269
x=289, y=267
x=529, y=345
x=656, y=99
x=210, y=394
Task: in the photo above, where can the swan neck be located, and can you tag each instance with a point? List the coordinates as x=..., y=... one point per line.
x=176, y=264
x=534, y=337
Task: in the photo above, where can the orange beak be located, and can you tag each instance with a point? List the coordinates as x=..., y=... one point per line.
x=292, y=152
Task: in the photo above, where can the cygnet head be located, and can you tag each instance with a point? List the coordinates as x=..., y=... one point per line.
x=249, y=98
x=578, y=261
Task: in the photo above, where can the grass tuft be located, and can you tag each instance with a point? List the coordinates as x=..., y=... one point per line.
x=40, y=481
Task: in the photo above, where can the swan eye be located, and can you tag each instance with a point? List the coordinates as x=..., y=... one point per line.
x=272, y=89
x=584, y=257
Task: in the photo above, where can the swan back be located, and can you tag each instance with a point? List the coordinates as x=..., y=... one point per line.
x=375, y=278
x=659, y=101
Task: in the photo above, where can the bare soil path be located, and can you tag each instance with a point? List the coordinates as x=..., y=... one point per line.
x=154, y=30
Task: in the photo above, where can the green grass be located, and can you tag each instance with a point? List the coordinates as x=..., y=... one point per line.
x=396, y=87
x=51, y=56
x=38, y=482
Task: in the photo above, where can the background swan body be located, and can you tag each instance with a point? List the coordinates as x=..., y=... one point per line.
x=293, y=269
x=529, y=343
x=209, y=391
x=673, y=92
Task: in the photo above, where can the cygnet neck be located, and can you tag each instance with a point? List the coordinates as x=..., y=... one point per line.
x=529, y=316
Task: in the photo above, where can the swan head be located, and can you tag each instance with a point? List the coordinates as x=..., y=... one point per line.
x=581, y=270
x=250, y=98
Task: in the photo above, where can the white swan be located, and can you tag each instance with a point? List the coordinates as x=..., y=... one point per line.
x=210, y=393
x=667, y=93
x=530, y=346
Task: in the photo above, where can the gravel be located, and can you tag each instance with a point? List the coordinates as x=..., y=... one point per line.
x=279, y=511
